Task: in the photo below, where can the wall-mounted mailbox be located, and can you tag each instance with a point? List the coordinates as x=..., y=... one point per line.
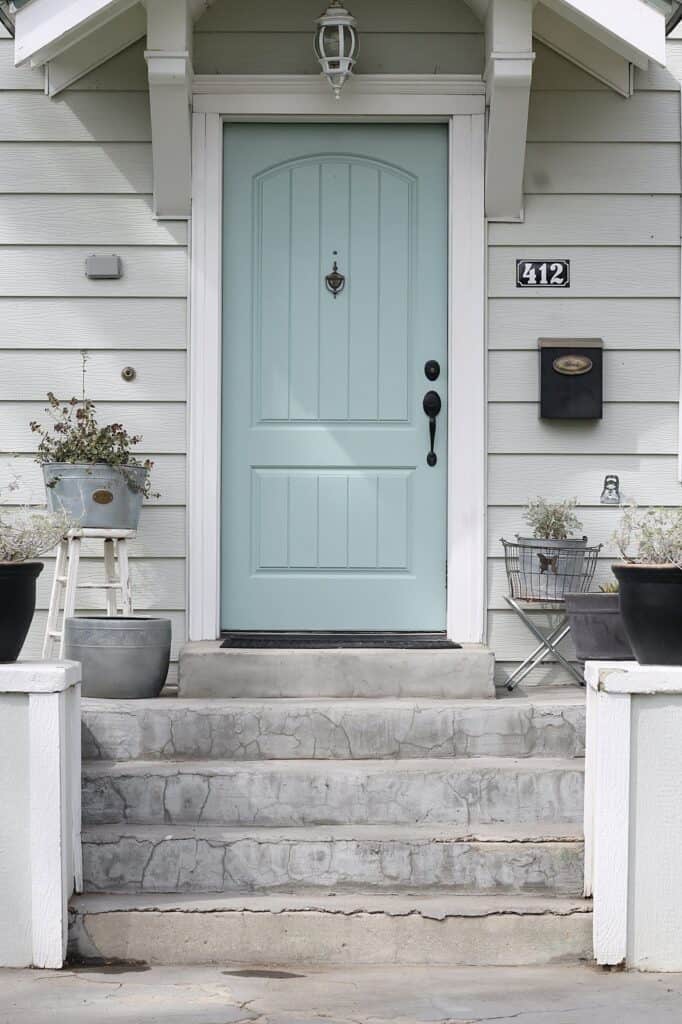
x=571, y=378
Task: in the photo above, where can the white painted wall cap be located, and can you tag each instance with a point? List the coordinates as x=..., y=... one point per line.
x=39, y=676
x=631, y=677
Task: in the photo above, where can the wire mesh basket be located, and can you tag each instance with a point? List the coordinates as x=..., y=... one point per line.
x=547, y=570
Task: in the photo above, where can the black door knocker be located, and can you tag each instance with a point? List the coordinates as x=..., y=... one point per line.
x=335, y=281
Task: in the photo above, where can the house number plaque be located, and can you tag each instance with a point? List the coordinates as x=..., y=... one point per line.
x=543, y=273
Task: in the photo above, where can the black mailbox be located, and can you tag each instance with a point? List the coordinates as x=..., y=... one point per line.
x=571, y=378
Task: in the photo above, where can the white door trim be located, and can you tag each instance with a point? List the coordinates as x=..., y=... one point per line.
x=406, y=98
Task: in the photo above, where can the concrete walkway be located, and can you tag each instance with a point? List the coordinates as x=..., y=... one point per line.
x=365, y=995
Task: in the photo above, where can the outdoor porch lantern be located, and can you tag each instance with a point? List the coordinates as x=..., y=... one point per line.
x=336, y=44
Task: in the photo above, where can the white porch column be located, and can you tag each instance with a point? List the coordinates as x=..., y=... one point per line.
x=508, y=72
x=40, y=795
x=169, y=62
x=633, y=813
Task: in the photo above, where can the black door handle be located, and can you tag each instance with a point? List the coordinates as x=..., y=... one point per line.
x=432, y=406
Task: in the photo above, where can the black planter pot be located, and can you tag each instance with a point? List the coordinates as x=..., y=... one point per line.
x=651, y=606
x=597, y=627
x=17, y=605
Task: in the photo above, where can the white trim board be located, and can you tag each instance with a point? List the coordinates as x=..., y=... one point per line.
x=296, y=97
x=463, y=109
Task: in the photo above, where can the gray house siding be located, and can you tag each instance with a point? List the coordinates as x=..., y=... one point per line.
x=402, y=37
x=602, y=188
x=75, y=178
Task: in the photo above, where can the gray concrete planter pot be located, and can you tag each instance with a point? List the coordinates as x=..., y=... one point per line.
x=96, y=496
x=124, y=658
x=597, y=627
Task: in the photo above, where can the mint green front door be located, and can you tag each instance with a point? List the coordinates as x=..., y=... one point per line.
x=331, y=517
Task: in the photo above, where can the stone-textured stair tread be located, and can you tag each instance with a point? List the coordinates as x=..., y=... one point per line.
x=158, y=858
x=332, y=728
x=304, y=792
x=493, y=834
x=432, y=905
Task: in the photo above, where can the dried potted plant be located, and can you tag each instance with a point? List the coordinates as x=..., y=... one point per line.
x=597, y=626
x=24, y=536
x=551, y=561
x=90, y=471
x=650, y=578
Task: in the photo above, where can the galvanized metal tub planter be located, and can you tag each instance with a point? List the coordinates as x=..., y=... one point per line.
x=597, y=627
x=17, y=605
x=122, y=657
x=546, y=570
x=96, y=496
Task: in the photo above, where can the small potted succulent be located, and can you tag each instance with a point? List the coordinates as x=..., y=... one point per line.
x=551, y=561
x=25, y=535
x=597, y=626
x=650, y=578
x=90, y=472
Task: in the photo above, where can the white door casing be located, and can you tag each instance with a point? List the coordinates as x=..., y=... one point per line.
x=460, y=102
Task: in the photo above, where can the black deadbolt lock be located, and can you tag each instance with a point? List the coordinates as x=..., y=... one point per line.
x=432, y=369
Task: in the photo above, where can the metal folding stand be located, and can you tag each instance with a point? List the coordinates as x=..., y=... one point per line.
x=548, y=642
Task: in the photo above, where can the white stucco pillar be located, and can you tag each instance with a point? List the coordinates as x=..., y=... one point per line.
x=40, y=767
x=633, y=813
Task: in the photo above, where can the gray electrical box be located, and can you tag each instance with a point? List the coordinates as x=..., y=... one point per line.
x=103, y=268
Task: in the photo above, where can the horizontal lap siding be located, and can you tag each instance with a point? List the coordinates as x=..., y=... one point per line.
x=76, y=179
x=408, y=37
x=602, y=183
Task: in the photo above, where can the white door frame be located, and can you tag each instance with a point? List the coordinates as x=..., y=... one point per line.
x=459, y=101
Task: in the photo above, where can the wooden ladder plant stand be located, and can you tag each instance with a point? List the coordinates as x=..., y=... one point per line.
x=65, y=582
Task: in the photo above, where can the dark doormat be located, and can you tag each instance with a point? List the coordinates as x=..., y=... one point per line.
x=321, y=641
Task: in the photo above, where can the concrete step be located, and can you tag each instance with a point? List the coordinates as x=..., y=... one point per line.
x=207, y=670
x=459, y=791
x=157, y=859
x=547, y=726
x=305, y=929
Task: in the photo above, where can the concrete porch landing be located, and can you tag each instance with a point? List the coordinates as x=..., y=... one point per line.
x=207, y=670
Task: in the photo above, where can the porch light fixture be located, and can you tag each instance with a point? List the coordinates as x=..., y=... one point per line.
x=336, y=45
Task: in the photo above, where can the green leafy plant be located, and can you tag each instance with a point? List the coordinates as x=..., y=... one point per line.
x=650, y=536
x=552, y=520
x=75, y=437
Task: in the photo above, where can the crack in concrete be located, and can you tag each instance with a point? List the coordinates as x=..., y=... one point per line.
x=355, y=912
